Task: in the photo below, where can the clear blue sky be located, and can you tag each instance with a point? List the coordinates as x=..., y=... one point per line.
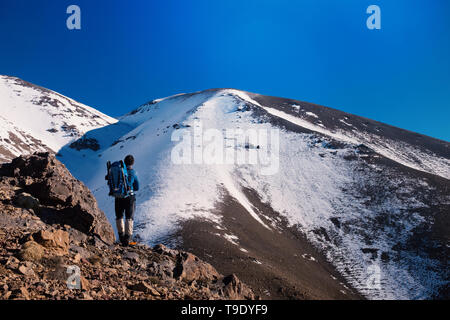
x=129, y=52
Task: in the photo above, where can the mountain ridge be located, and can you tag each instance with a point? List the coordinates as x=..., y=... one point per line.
x=39, y=119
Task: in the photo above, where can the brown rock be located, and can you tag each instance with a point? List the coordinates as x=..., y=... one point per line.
x=86, y=296
x=144, y=287
x=84, y=283
x=189, y=267
x=12, y=263
x=236, y=290
x=162, y=249
x=26, y=271
x=31, y=251
x=95, y=260
x=27, y=201
x=23, y=293
x=45, y=178
x=77, y=258
x=56, y=240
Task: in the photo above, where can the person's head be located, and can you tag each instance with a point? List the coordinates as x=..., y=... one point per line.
x=129, y=160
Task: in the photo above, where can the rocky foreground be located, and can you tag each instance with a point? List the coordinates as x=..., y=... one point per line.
x=50, y=224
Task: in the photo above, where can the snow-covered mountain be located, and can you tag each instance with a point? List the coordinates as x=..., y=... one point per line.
x=37, y=119
x=372, y=199
x=299, y=200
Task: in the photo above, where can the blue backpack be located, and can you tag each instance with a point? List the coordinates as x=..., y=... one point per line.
x=117, y=177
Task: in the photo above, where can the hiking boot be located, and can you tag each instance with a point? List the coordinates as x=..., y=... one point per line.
x=125, y=240
x=121, y=235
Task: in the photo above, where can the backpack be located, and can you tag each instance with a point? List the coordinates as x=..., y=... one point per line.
x=117, y=177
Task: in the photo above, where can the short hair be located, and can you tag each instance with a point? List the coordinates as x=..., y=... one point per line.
x=129, y=160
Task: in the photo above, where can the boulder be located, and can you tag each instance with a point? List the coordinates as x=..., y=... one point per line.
x=57, y=240
x=132, y=256
x=144, y=287
x=27, y=201
x=189, y=267
x=83, y=252
x=162, y=249
x=234, y=289
x=64, y=200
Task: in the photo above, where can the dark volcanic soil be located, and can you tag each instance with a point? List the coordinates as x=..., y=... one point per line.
x=277, y=265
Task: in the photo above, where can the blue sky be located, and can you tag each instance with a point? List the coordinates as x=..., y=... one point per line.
x=129, y=52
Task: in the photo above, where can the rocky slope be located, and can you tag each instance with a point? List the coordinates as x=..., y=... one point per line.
x=50, y=222
x=34, y=118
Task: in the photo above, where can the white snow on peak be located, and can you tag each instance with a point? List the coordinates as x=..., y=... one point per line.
x=42, y=118
x=402, y=153
x=346, y=123
x=311, y=114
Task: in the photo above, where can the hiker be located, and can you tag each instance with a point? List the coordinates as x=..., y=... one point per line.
x=125, y=199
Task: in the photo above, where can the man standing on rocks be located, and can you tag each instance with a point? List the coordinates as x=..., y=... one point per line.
x=127, y=205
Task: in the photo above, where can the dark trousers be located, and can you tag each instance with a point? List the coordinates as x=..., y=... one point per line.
x=127, y=205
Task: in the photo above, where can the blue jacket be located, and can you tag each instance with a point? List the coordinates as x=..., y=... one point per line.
x=133, y=179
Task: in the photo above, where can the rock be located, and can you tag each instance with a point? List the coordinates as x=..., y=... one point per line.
x=7, y=295
x=189, y=267
x=76, y=236
x=84, y=283
x=236, y=290
x=124, y=266
x=31, y=251
x=57, y=240
x=23, y=293
x=144, y=287
x=84, y=253
x=44, y=178
x=77, y=258
x=162, y=249
x=85, y=143
x=133, y=256
x=95, y=260
x=27, y=201
x=43, y=285
x=163, y=269
x=27, y=271
x=111, y=271
x=86, y=296
x=6, y=194
x=12, y=263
